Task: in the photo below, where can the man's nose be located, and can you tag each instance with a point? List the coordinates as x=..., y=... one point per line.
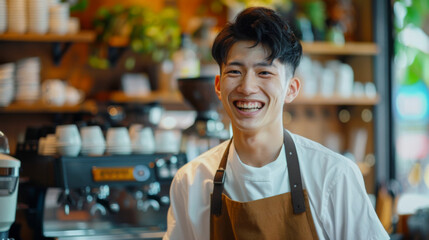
x=248, y=85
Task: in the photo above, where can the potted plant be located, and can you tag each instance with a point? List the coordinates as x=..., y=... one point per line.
x=154, y=34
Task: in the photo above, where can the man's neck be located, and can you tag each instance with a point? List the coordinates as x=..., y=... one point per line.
x=258, y=148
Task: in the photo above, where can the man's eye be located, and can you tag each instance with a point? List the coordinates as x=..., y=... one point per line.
x=233, y=72
x=265, y=73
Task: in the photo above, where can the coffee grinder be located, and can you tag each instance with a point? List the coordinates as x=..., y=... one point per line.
x=208, y=130
x=9, y=176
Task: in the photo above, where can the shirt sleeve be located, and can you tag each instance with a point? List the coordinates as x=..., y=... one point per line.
x=348, y=213
x=178, y=224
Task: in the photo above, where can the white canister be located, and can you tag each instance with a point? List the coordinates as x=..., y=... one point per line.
x=3, y=16
x=345, y=80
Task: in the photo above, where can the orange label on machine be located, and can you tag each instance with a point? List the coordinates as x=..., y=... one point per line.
x=113, y=174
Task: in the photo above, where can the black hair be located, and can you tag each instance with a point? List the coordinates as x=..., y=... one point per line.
x=261, y=25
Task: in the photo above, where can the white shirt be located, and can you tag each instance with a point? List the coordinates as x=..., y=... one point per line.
x=339, y=204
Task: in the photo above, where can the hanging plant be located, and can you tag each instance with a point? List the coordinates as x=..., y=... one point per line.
x=154, y=34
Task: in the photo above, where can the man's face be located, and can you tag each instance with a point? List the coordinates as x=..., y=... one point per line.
x=253, y=90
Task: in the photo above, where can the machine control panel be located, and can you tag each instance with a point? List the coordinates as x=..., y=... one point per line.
x=118, y=170
x=139, y=173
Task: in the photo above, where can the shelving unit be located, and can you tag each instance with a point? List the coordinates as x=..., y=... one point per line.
x=176, y=98
x=349, y=48
x=89, y=107
x=335, y=100
x=83, y=36
x=60, y=43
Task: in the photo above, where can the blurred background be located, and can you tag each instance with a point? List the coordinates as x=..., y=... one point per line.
x=102, y=102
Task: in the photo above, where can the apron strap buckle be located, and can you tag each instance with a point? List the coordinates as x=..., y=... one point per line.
x=216, y=201
x=219, y=176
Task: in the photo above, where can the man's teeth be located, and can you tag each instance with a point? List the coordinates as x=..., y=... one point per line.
x=248, y=106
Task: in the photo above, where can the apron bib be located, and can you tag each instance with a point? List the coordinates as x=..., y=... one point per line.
x=282, y=217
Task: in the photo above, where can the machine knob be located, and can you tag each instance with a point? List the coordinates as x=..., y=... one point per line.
x=98, y=208
x=150, y=203
x=141, y=173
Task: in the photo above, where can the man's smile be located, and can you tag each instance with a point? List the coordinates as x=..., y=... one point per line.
x=248, y=106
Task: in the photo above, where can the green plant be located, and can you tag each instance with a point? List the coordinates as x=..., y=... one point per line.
x=156, y=34
x=411, y=59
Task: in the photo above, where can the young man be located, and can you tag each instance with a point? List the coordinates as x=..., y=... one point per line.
x=266, y=183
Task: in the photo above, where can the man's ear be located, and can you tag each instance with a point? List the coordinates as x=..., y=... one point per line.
x=217, y=86
x=293, y=90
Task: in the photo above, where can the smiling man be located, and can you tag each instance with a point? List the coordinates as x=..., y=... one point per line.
x=266, y=183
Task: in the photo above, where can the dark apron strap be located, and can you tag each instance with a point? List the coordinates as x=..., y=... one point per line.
x=218, y=181
x=294, y=173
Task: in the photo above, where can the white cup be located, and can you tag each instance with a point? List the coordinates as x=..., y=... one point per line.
x=3, y=16
x=68, y=150
x=73, y=25
x=167, y=141
x=73, y=95
x=345, y=80
x=118, y=141
x=370, y=90
x=327, y=82
x=41, y=146
x=143, y=141
x=49, y=148
x=54, y=92
x=67, y=135
x=92, y=136
x=134, y=129
x=93, y=143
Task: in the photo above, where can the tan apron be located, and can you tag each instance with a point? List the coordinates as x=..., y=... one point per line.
x=284, y=216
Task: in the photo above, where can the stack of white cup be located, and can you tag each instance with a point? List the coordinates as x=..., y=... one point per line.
x=118, y=141
x=93, y=143
x=47, y=145
x=143, y=141
x=38, y=16
x=17, y=16
x=68, y=140
x=3, y=16
x=59, y=18
x=28, y=80
x=6, y=83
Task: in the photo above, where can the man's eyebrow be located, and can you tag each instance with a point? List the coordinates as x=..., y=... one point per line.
x=265, y=64
x=234, y=64
x=259, y=64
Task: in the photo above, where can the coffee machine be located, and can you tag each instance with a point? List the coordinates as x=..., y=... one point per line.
x=102, y=197
x=208, y=129
x=9, y=177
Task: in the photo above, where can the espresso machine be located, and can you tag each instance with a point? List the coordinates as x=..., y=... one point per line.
x=9, y=177
x=208, y=129
x=101, y=197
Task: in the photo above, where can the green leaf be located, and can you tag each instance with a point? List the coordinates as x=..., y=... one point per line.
x=80, y=6
x=137, y=45
x=425, y=66
x=102, y=13
x=413, y=16
x=130, y=63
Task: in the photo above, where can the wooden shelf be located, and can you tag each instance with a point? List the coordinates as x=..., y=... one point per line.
x=335, y=100
x=39, y=107
x=349, y=48
x=83, y=36
x=163, y=97
x=176, y=98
